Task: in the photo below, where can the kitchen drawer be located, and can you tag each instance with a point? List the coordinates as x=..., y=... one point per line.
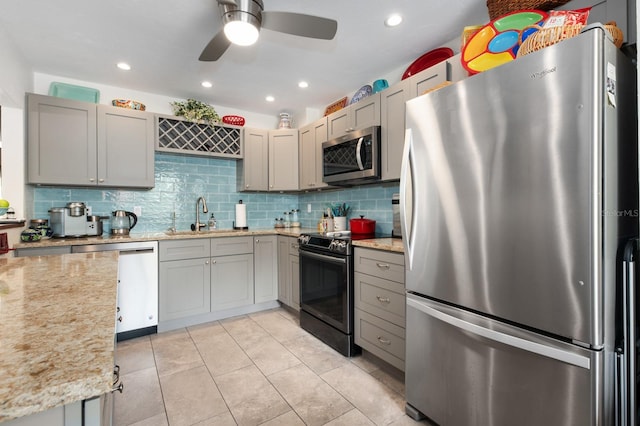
x=382, y=298
x=382, y=264
x=231, y=245
x=183, y=249
x=381, y=338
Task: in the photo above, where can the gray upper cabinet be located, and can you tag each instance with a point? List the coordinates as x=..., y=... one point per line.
x=253, y=171
x=82, y=144
x=363, y=113
x=311, y=138
x=392, y=120
x=427, y=79
x=283, y=160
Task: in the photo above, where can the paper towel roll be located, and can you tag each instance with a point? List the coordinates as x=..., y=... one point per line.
x=241, y=215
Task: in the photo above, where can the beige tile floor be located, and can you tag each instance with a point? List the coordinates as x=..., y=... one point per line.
x=258, y=369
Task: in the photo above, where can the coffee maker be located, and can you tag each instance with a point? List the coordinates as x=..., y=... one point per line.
x=71, y=221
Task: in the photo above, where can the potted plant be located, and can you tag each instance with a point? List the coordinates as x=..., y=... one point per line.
x=194, y=110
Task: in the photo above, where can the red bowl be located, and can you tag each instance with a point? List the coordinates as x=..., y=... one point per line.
x=234, y=120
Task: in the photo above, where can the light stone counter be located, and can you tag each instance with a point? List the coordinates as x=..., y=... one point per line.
x=57, y=325
x=159, y=236
x=388, y=244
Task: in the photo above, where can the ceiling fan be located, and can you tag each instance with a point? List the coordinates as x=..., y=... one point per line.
x=242, y=20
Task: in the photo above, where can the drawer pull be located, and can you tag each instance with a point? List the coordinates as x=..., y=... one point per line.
x=383, y=299
x=383, y=265
x=384, y=341
x=116, y=374
x=118, y=388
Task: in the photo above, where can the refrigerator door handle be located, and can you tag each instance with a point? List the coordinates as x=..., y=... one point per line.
x=627, y=359
x=407, y=199
x=500, y=337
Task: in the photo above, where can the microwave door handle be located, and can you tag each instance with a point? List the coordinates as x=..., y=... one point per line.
x=359, y=153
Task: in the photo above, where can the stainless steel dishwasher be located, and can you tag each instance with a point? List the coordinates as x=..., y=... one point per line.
x=137, y=312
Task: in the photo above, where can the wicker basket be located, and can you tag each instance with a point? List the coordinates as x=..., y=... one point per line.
x=616, y=33
x=546, y=37
x=497, y=8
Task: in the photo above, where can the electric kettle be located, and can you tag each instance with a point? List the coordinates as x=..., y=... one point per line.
x=121, y=222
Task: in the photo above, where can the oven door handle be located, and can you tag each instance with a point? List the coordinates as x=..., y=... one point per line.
x=332, y=259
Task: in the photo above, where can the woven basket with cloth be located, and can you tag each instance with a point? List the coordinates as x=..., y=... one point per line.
x=498, y=8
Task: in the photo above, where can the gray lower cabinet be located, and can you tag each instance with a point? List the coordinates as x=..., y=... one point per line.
x=288, y=272
x=231, y=281
x=83, y=144
x=265, y=252
x=202, y=275
x=184, y=278
x=380, y=304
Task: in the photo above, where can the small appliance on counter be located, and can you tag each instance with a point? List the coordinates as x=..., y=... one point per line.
x=71, y=221
x=121, y=222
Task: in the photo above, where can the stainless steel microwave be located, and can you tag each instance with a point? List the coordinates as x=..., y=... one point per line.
x=353, y=158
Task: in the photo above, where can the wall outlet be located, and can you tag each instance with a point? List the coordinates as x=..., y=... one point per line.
x=88, y=209
x=137, y=210
x=309, y=208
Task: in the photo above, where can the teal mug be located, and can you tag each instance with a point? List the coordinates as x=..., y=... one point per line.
x=380, y=85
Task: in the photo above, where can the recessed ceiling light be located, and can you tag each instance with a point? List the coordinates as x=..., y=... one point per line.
x=269, y=98
x=303, y=85
x=393, y=20
x=124, y=66
x=207, y=84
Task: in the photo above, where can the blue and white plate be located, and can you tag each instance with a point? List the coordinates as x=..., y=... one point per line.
x=362, y=93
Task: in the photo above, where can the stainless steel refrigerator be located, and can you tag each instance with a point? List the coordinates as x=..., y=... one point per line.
x=519, y=196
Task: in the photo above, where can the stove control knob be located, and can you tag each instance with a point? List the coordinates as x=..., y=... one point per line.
x=303, y=239
x=338, y=246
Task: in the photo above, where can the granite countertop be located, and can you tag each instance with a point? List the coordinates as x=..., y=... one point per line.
x=389, y=244
x=57, y=316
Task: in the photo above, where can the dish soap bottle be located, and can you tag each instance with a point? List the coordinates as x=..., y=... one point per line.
x=212, y=222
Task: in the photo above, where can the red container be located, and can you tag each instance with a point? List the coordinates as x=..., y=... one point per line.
x=362, y=226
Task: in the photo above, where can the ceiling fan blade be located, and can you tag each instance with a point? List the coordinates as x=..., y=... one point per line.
x=216, y=47
x=300, y=24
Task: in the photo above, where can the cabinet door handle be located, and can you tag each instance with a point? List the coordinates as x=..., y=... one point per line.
x=101, y=180
x=118, y=388
x=92, y=180
x=295, y=246
x=383, y=265
x=213, y=262
x=384, y=341
x=246, y=186
x=206, y=262
x=120, y=318
x=383, y=299
x=116, y=374
x=257, y=241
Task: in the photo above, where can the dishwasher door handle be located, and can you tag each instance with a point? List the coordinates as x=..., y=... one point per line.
x=138, y=251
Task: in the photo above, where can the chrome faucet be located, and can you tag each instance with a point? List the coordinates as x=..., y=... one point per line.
x=198, y=226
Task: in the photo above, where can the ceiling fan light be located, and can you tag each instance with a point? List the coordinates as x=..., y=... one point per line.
x=241, y=33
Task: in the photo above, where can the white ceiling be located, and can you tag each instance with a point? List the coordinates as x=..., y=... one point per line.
x=162, y=39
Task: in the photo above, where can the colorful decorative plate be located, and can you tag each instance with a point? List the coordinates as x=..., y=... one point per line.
x=497, y=42
x=427, y=60
x=363, y=92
